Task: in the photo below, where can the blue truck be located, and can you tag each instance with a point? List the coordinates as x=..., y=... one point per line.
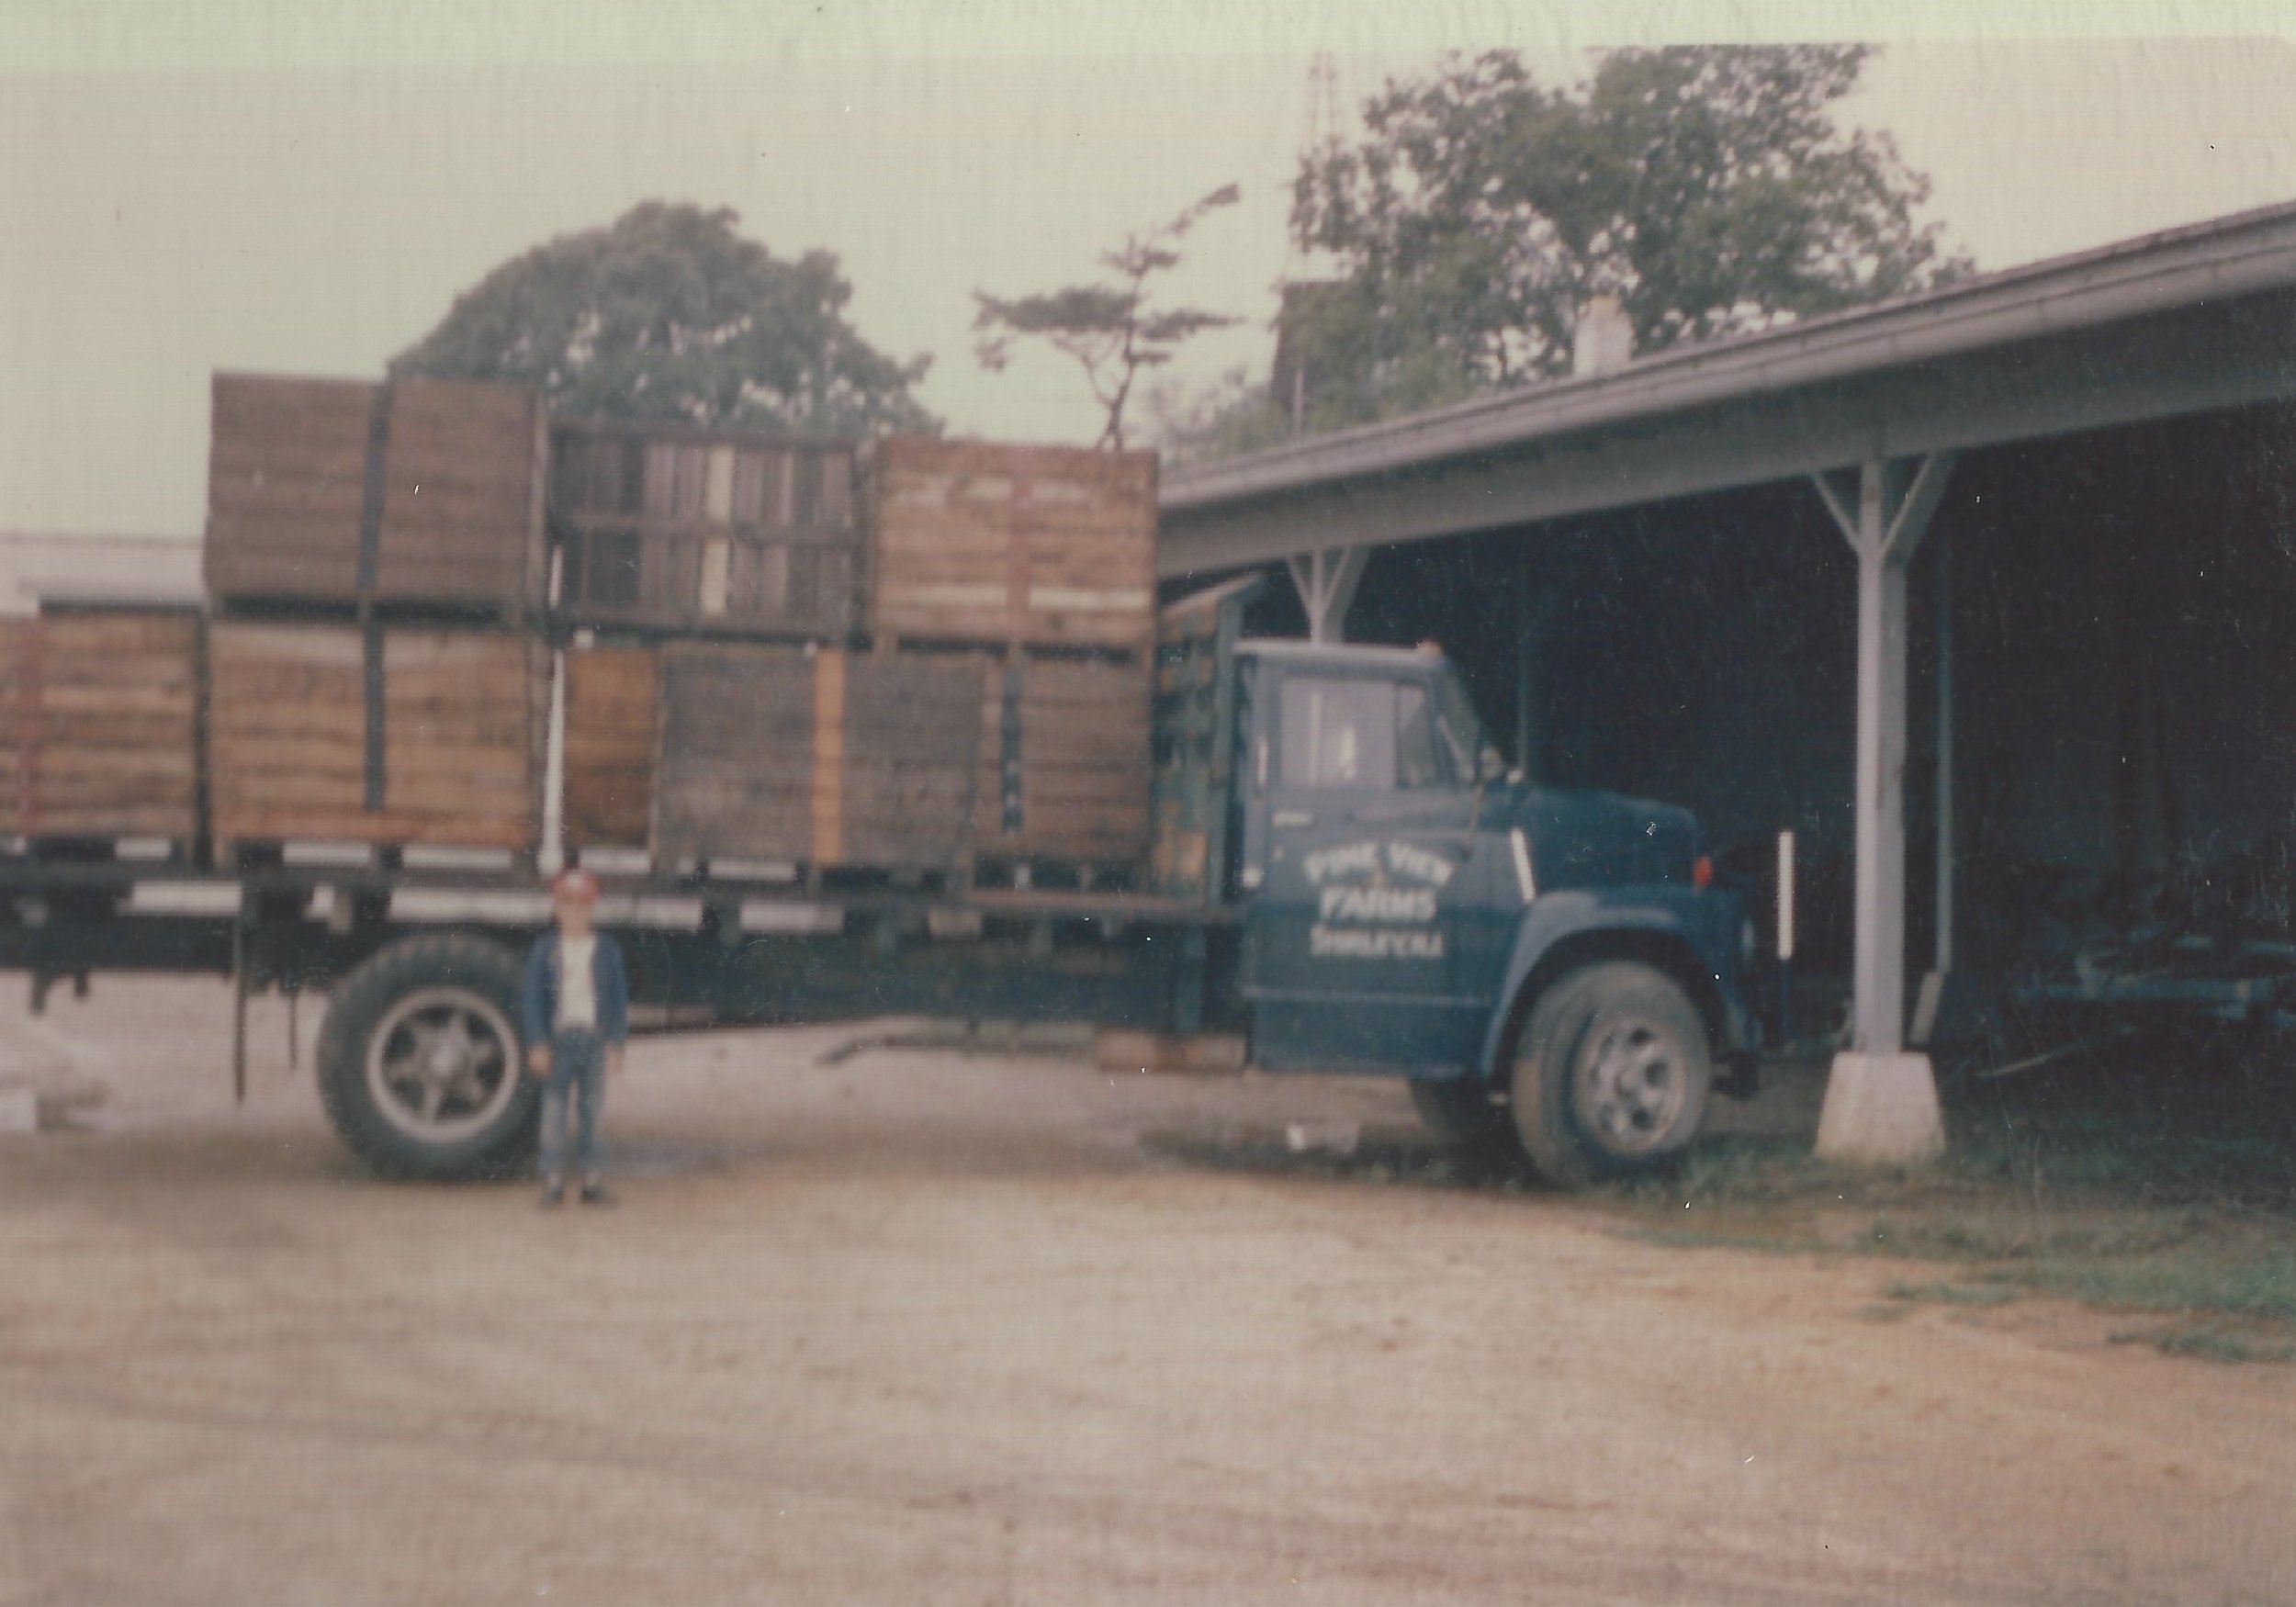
x=1346, y=876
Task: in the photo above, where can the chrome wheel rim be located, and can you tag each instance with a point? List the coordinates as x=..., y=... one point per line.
x=442, y=1065
x=1630, y=1086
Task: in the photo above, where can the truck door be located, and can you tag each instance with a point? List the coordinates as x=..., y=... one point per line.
x=1353, y=939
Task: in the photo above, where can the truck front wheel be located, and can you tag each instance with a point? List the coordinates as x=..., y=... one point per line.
x=1611, y=1075
x=418, y=1061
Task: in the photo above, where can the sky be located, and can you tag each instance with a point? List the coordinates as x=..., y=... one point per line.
x=259, y=185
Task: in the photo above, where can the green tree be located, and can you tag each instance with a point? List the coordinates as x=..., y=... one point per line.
x=1193, y=424
x=671, y=314
x=1108, y=329
x=1706, y=187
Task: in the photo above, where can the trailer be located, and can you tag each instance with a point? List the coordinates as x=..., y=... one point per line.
x=1342, y=874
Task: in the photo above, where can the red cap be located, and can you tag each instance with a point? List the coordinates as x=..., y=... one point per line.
x=575, y=883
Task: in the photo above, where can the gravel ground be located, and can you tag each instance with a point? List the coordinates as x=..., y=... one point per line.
x=917, y=1326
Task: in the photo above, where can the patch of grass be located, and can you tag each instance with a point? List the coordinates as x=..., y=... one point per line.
x=2209, y=1344
x=1961, y=1237
x=1952, y=1294
x=2238, y=1280
x=1772, y=1243
x=1728, y=1171
x=2008, y=1231
x=2227, y=1275
x=1895, y=1312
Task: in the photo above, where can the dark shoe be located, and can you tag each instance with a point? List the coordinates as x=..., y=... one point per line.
x=553, y=1193
x=598, y=1194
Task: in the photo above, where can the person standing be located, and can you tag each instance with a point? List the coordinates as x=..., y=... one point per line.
x=576, y=1005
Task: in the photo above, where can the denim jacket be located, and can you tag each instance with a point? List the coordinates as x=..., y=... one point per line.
x=538, y=1000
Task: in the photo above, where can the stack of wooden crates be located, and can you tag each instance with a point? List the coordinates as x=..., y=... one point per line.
x=1045, y=557
x=376, y=566
x=913, y=656
x=924, y=656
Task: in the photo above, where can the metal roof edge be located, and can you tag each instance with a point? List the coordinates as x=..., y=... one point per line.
x=2237, y=254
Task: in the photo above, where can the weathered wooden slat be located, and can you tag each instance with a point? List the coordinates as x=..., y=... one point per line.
x=821, y=758
x=978, y=542
x=461, y=519
x=722, y=706
x=425, y=828
x=99, y=723
x=612, y=697
x=1081, y=739
x=462, y=719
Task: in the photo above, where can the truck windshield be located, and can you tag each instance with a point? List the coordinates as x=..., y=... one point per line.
x=1463, y=728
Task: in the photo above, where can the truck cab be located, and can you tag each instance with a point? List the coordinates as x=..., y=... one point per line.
x=1549, y=966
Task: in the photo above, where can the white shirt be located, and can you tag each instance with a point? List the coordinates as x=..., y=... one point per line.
x=578, y=982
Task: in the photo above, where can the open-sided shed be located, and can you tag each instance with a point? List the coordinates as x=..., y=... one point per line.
x=2147, y=377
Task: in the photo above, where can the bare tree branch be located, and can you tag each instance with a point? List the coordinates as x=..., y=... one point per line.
x=1108, y=329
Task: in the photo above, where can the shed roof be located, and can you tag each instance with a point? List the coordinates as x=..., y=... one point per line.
x=2176, y=321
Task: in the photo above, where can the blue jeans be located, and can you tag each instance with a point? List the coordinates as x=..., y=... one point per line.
x=577, y=1070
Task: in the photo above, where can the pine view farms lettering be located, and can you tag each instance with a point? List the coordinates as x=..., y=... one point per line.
x=1377, y=901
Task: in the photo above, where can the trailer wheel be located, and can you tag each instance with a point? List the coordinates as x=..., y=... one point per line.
x=1459, y=1113
x=1612, y=1075
x=420, y=1061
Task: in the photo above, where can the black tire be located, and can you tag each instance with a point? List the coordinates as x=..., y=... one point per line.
x=1612, y=1075
x=420, y=1061
x=1459, y=1113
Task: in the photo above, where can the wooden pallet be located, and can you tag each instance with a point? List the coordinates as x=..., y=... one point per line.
x=99, y=725
x=446, y=749
x=998, y=545
x=738, y=534
x=423, y=492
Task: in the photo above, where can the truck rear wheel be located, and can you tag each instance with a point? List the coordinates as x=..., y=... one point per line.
x=1459, y=1112
x=420, y=1061
x=1612, y=1075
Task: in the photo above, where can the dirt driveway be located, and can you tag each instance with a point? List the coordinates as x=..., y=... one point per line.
x=922, y=1327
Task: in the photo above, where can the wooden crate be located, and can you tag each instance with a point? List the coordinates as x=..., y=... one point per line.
x=815, y=757
x=444, y=478
x=1064, y=761
x=99, y=722
x=613, y=699
x=716, y=531
x=999, y=544
x=457, y=735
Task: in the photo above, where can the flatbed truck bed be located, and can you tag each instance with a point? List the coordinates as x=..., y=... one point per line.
x=1372, y=893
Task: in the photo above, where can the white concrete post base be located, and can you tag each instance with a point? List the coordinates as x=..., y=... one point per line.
x=1881, y=1110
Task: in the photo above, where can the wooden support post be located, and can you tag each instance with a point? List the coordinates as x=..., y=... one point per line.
x=1878, y=1022
x=1881, y=1102
x=1944, y=963
x=1327, y=579
x=1941, y=998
